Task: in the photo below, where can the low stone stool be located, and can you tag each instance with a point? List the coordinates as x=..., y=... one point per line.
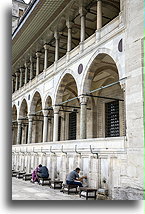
x=88, y=192
x=44, y=181
x=102, y=194
x=20, y=174
x=27, y=177
x=56, y=184
x=70, y=188
x=14, y=173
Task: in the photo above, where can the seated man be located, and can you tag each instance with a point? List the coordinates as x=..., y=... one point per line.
x=73, y=178
x=43, y=172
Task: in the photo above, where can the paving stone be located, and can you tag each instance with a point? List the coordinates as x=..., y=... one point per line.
x=24, y=190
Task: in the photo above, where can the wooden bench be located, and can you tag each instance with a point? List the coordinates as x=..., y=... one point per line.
x=43, y=180
x=70, y=188
x=87, y=192
x=27, y=177
x=56, y=184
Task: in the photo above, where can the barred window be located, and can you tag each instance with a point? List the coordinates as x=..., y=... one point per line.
x=72, y=125
x=59, y=128
x=112, y=119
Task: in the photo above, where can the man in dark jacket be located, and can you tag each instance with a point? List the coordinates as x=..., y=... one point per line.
x=43, y=172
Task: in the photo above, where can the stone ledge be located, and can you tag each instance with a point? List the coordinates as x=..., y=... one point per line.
x=128, y=193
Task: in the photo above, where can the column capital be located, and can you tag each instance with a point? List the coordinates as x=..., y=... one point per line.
x=123, y=86
x=69, y=24
x=21, y=69
x=26, y=64
x=83, y=100
x=56, y=34
x=30, y=117
x=19, y=121
x=13, y=77
x=31, y=58
x=38, y=54
x=56, y=109
x=46, y=46
x=17, y=73
x=45, y=113
x=82, y=11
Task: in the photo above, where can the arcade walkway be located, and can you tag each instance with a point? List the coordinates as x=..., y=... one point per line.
x=24, y=190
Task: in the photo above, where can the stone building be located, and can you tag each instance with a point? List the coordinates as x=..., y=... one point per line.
x=18, y=9
x=77, y=92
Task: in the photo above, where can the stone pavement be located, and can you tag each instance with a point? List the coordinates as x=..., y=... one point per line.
x=25, y=190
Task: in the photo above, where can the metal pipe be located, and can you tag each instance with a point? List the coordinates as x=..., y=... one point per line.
x=51, y=150
x=63, y=151
x=102, y=97
x=67, y=111
x=72, y=107
x=34, y=151
x=76, y=150
x=107, y=86
x=91, y=150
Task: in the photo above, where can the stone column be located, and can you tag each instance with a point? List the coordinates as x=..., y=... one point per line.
x=30, y=120
x=99, y=14
x=19, y=131
x=83, y=117
x=46, y=56
x=56, y=36
x=13, y=83
x=26, y=72
x=82, y=13
x=45, y=126
x=55, y=125
x=49, y=130
x=21, y=77
x=17, y=76
x=31, y=67
x=38, y=54
x=69, y=39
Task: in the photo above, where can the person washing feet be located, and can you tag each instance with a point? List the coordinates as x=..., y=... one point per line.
x=74, y=179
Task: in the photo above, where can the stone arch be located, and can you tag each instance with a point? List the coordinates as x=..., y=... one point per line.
x=14, y=124
x=36, y=112
x=89, y=71
x=60, y=85
x=35, y=99
x=69, y=114
x=23, y=108
x=14, y=112
x=47, y=101
x=101, y=71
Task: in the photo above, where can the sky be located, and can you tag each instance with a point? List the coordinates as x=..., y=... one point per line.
x=27, y=1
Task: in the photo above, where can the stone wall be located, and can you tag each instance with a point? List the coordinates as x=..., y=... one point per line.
x=120, y=161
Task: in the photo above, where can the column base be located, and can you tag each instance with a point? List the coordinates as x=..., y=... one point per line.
x=81, y=47
x=67, y=56
x=98, y=35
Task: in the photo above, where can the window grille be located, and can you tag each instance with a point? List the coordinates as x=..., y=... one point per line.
x=59, y=128
x=72, y=125
x=112, y=119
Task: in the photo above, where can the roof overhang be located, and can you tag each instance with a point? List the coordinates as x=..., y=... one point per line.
x=37, y=18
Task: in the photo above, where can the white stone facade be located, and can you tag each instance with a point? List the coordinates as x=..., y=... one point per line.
x=38, y=136
x=18, y=8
